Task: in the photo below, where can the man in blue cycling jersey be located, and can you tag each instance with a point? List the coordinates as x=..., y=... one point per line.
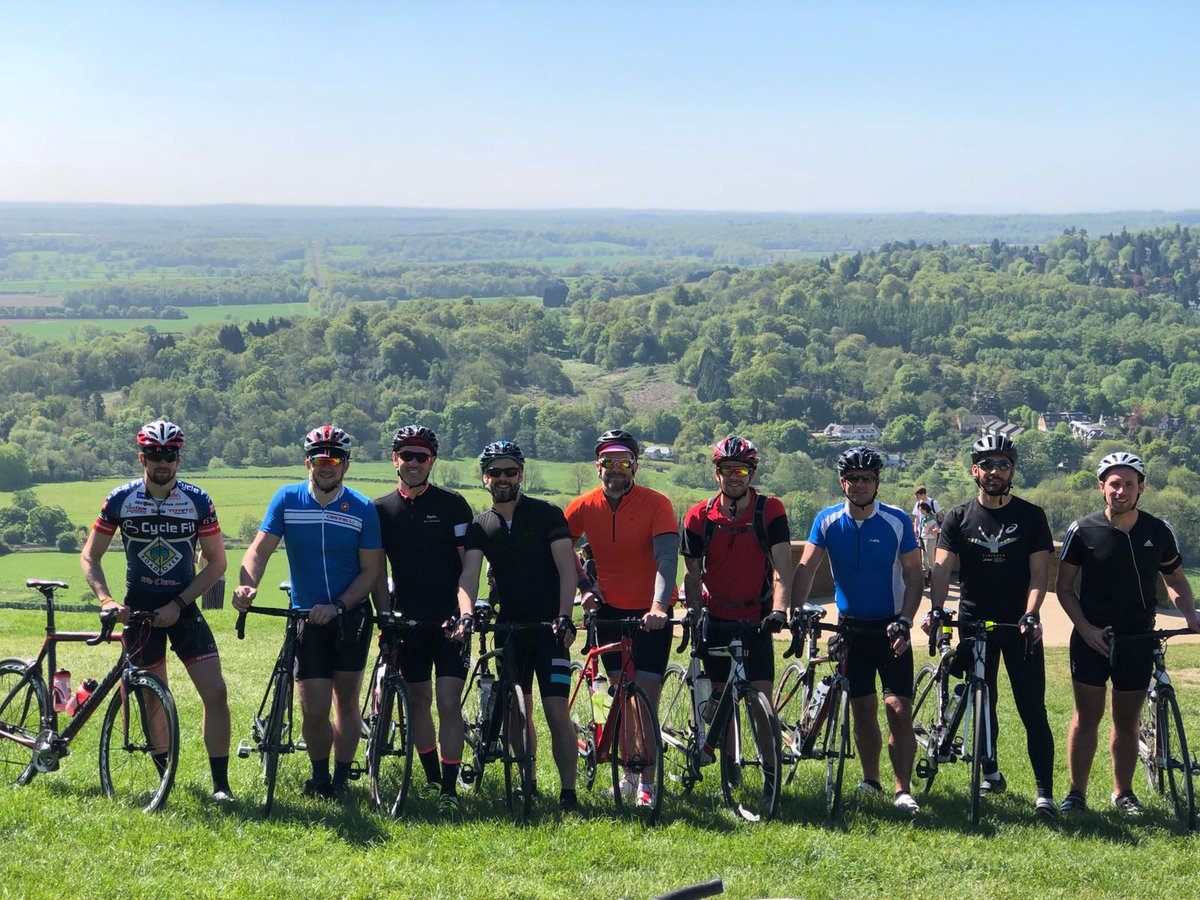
x=331, y=536
x=877, y=573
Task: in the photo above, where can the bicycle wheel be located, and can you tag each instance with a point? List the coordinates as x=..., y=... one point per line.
x=272, y=739
x=1148, y=749
x=24, y=704
x=1176, y=761
x=139, y=742
x=678, y=728
x=584, y=719
x=750, y=757
x=927, y=724
x=518, y=761
x=836, y=747
x=390, y=747
x=793, y=693
x=977, y=746
x=637, y=749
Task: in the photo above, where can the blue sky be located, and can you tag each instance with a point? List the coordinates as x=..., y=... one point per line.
x=900, y=106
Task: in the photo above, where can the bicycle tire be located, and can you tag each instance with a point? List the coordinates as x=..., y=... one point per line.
x=24, y=705
x=793, y=693
x=390, y=747
x=836, y=747
x=637, y=748
x=1148, y=748
x=677, y=723
x=1176, y=761
x=751, y=757
x=272, y=739
x=132, y=766
x=975, y=746
x=470, y=773
x=583, y=717
x=928, y=727
x=518, y=760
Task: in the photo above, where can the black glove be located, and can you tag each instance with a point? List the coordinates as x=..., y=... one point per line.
x=899, y=629
x=1030, y=622
x=389, y=637
x=564, y=622
x=774, y=622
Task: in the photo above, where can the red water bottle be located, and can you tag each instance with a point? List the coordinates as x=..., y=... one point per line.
x=81, y=695
x=61, y=689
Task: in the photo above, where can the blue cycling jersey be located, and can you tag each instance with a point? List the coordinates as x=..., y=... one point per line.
x=865, y=558
x=322, y=542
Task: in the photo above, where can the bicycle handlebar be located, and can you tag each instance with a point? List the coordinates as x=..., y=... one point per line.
x=108, y=621
x=1159, y=635
x=278, y=611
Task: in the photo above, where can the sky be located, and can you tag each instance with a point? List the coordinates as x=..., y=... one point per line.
x=952, y=107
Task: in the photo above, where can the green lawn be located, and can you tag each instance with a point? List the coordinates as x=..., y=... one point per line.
x=60, y=329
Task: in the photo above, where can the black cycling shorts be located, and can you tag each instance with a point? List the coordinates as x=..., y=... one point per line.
x=758, y=651
x=651, y=649
x=191, y=639
x=1134, y=665
x=541, y=653
x=338, y=646
x=425, y=647
x=869, y=653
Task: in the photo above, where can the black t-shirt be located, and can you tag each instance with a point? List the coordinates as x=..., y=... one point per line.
x=1120, y=570
x=993, y=548
x=421, y=537
x=527, y=585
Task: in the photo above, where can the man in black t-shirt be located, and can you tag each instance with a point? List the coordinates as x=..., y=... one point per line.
x=1119, y=550
x=423, y=528
x=1002, y=546
x=528, y=548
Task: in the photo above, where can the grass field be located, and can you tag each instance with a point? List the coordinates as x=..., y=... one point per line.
x=60, y=329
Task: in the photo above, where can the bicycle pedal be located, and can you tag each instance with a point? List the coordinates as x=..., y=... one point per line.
x=244, y=749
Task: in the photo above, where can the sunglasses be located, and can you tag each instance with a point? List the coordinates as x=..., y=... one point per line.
x=1002, y=465
x=319, y=461
x=727, y=471
x=606, y=463
x=859, y=479
x=501, y=473
x=161, y=455
x=414, y=456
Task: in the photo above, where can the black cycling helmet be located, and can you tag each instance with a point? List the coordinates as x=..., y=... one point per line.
x=992, y=444
x=1121, y=458
x=859, y=458
x=415, y=436
x=735, y=449
x=501, y=450
x=622, y=438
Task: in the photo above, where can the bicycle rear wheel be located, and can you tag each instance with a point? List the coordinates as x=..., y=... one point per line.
x=390, y=747
x=139, y=742
x=1148, y=745
x=678, y=727
x=272, y=737
x=470, y=773
x=24, y=704
x=751, y=757
x=584, y=719
x=977, y=748
x=1176, y=761
x=836, y=747
x=637, y=749
x=518, y=759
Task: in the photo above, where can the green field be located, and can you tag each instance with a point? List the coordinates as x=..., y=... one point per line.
x=60, y=329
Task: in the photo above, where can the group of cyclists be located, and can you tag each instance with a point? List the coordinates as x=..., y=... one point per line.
x=420, y=550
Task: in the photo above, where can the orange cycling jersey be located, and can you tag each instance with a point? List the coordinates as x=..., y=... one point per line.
x=622, y=541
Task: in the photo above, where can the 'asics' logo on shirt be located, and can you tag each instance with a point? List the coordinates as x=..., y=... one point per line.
x=993, y=542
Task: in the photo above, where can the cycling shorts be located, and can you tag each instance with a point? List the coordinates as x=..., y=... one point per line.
x=869, y=653
x=651, y=649
x=1135, y=663
x=191, y=639
x=425, y=647
x=338, y=646
x=758, y=651
x=541, y=653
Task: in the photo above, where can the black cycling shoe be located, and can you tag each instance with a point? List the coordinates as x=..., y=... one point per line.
x=1074, y=802
x=319, y=787
x=1045, y=810
x=993, y=784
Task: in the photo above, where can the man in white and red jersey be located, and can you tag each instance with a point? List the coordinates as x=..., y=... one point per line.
x=161, y=520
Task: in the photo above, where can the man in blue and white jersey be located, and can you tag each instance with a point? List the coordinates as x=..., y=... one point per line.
x=331, y=535
x=876, y=566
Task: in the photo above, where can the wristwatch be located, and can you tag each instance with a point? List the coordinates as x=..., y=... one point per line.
x=340, y=606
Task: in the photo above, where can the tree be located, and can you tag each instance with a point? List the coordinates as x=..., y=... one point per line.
x=582, y=475
x=14, y=469
x=904, y=432
x=45, y=524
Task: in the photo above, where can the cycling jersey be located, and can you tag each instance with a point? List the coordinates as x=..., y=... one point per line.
x=159, y=536
x=322, y=542
x=864, y=557
x=422, y=536
x=622, y=541
x=1120, y=569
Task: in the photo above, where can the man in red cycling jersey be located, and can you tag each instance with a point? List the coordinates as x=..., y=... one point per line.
x=634, y=540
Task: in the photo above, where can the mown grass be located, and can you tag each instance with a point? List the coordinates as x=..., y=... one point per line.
x=62, y=838
x=62, y=329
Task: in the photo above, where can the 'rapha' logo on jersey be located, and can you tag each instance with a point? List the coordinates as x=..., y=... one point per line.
x=159, y=556
x=993, y=542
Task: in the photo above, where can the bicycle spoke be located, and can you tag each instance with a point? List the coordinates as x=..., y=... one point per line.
x=750, y=757
x=139, y=743
x=678, y=728
x=23, y=706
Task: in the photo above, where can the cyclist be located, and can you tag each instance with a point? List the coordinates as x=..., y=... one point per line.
x=737, y=550
x=331, y=536
x=878, y=582
x=162, y=519
x=634, y=542
x=422, y=528
x=528, y=547
x=1002, y=547
x=1117, y=550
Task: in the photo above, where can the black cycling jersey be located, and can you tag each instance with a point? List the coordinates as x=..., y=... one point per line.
x=1120, y=570
x=527, y=584
x=422, y=537
x=993, y=548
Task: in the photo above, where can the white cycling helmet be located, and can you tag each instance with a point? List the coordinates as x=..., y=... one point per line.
x=1121, y=458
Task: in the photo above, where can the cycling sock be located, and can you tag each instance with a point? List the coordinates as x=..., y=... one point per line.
x=220, y=772
x=341, y=771
x=429, y=762
x=450, y=776
x=567, y=797
x=320, y=769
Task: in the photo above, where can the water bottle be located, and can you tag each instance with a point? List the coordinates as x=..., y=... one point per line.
x=601, y=700
x=61, y=689
x=820, y=692
x=81, y=695
x=703, y=691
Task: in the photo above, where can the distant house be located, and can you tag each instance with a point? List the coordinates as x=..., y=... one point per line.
x=1048, y=421
x=893, y=461
x=838, y=432
x=1007, y=429
x=1088, y=432
x=659, y=454
x=974, y=423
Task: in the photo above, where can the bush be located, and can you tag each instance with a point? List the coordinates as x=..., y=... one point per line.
x=13, y=534
x=67, y=542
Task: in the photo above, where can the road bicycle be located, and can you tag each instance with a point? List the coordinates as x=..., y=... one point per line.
x=812, y=700
x=389, y=757
x=616, y=723
x=740, y=725
x=1162, y=741
x=952, y=721
x=139, y=737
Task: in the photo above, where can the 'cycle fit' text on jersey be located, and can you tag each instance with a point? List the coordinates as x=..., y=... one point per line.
x=864, y=557
x=159, y=536
x=322, y=542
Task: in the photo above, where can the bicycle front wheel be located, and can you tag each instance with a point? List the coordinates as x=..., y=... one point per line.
x=678, y=728
x=470, y=773
x=836, y=746
x=583, y=718
x=24, y=705
x=1148, y=748
x=927, y=725
x=518, y=758
x=390, y=747
x=637, y=750
x=1175, y=760
x=793, y=693
x=139, y=742
x=751, y=756
x=272, y=739
x=977, y=746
